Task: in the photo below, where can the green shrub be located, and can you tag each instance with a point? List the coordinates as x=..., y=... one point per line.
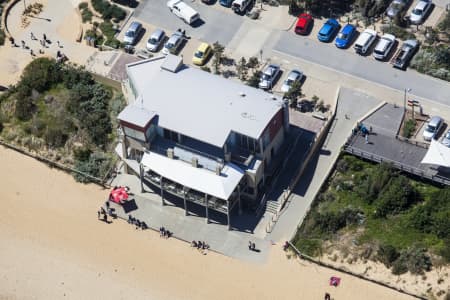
x=86, y=15
x=24, y=108
x=55, y=136
x=308, y=246
x=2, y=37
x=82, y=154
x=398, y=196
x=387, y=254
x=254, y=79
x=398, y=32
x=97, y=166
x=109, y=11
x=331, y=222
x=414, y=260
x=409, y=128
x=434, y=61
x=444, y=25
x=83, y=5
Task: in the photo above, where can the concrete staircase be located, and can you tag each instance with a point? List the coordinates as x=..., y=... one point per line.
x=272, y=206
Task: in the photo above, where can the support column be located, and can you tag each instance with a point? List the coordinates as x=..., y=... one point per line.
x=228, y=215
x=207, y=213
x=162, y=191
x=239, y=199
x=141, y=175
x=124, y=153
x=185, y=203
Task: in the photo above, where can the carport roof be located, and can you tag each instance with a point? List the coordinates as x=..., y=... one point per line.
x=200, y=105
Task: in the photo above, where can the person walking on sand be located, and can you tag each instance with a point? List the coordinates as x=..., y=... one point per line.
x=98, y=214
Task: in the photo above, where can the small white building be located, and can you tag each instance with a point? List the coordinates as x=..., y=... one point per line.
x=198, y=136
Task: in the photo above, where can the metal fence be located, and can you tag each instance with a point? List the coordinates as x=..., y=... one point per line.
x=400, y=166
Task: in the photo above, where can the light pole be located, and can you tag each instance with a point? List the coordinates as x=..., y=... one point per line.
x=407, y=90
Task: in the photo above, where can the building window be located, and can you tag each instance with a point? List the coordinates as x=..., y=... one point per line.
x=133, y=133
x=171, y=135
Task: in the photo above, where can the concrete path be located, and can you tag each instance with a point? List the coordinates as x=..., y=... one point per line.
x=148, y=207
x=320, y=166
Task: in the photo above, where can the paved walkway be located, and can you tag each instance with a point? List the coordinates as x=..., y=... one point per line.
x=148, y=207
x=320, y=166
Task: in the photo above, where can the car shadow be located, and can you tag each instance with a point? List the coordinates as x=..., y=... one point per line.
x=197, y=23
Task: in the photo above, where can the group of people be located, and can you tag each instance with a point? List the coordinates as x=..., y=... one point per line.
x=165, y=233
x=199, y=245
x=139, y=224
x=43, y=43
x=102, y=215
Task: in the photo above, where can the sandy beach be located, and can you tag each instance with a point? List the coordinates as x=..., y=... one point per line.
x=53, y=247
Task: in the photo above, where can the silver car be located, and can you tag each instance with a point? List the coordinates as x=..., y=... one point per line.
x=419, y=12
x=396, y=7
x=132, y=34
x=293, y=76
x=432, y=128
x=173, y=44
x=268, y=77
x=155, y=40
x=446, y=139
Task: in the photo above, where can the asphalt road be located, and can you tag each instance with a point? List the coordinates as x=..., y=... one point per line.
x=363, y=67
x=215, y=25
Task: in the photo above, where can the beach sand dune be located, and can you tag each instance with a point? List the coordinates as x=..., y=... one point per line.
x=53, y=247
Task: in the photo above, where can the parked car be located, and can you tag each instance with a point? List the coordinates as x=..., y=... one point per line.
x=183, y=11
x=365, y=41
x=155, y=40
x=404, y=55
x=304, y=24
x=174, y=43
x=345, y=36
x=446, y=139
x=269, y=76
x=241, y=6
x=384, y=46
x=226, y=3
x=432, y=128
x=293, y=76
x=209, y=2
x=202, y=54
x=328, y=30
x=132, y=33
x=397, y=7
x=420, y=12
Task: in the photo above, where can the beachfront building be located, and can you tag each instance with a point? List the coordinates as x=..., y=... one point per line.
x=198, y=136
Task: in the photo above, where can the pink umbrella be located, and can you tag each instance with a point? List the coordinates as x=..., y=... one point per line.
x=118, y=195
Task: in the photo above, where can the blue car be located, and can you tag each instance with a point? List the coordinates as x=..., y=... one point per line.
x=345, y=37
x=328, y=30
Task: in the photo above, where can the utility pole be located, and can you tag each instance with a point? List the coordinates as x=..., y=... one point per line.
x=407, y=90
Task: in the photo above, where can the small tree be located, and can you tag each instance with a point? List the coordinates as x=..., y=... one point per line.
x=294, y=92
x=218, y=50
x=241, y=69
x=254, y=79
x=253, y=62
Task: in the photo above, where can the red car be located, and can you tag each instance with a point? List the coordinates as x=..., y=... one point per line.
x=304, y=23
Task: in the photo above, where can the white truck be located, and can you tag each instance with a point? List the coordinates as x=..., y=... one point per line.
x=183, y=11
x=240, y=6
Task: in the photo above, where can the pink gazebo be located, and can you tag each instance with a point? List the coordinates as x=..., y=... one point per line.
x=118, y=195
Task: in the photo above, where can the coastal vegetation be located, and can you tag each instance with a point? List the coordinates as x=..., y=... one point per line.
x=60, y=112
x=382, y=215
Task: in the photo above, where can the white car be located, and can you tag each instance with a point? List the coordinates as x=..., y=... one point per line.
x=269, y=76
x=364, y=41
x=173, y=44
x=432, y=128
x=293, y=76
x=419, y=12
x=183, y=11
x=155, y=40
x=384, y=46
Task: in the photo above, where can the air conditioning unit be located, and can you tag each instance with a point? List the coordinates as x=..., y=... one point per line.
x=194, y=162
x=170, y=153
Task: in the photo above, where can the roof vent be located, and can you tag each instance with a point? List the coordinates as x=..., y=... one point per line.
x=242, y=94
x=274, y=98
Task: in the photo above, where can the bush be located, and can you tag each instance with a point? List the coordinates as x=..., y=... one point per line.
x=254, y=79
x=83, y=5
x=409, y=128
x=97, y=166
x=387, y=254
x=39, y=75
x=294, y=8
x=434, y=61
x=414, y=260
x=86, y=15
x=24, y=108
x=310, y=247
x=2, y=37
x=398, y=196
x=371, y=185
x=109, y=11
x=332, y=222
x=55, y=136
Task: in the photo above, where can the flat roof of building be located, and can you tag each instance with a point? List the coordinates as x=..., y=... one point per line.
x=199, y=104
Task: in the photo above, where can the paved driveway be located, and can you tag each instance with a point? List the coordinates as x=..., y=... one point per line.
x=363, y=67
x=218, y=25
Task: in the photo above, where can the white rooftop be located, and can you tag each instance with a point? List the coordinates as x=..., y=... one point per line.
x=201, y=105
x=139, y=115
x=220, y=186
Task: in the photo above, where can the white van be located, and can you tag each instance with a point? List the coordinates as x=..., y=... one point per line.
x=364, y=41
x=183, y=11
x=240, y=6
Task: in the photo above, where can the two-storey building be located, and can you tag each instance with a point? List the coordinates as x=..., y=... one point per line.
x=198, y=136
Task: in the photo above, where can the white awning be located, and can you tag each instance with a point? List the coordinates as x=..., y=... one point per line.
x=205, y=181
x=437, y=154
